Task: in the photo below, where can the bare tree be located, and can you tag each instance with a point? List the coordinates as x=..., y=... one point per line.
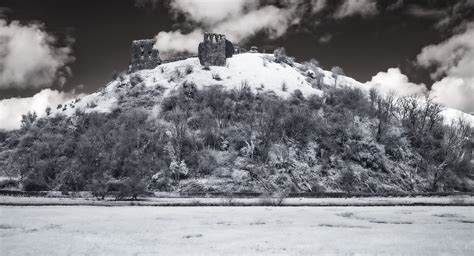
x=385, y=111
x=420, y=116
x=431, y=115
x=456, y=145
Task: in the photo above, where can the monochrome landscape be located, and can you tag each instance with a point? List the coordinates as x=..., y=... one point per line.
x=215, y=140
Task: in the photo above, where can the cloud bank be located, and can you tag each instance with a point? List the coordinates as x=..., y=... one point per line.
x=12, y=109
x=29, y=58
x=452, y=59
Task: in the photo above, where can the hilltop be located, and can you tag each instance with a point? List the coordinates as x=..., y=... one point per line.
x=258, y=71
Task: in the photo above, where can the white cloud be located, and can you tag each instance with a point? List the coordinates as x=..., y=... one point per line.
x=28, y=57
x=273, y=20
x=173, y=42
x=395, y=6
x=318, y=5
x=237, y=19
x=425, y=12
x=393, y=81
x=363, y=8
x=455, y=93
x=454, y=59
x=12, y=109
x=210, y=12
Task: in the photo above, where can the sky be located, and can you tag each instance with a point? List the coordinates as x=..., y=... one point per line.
x=55, y=50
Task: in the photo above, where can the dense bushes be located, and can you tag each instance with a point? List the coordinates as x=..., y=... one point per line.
x=253, y=142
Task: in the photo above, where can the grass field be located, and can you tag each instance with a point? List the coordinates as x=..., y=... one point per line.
x=91, y=230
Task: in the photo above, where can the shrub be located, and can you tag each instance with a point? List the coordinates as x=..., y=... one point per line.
x=8, y=184
x=33, y=184
x=318, y=188
x=193, y=187
x=135, y=80
x=299, y=125
x=115, y=75
x=177, y=74
x=161, y=181
x=127, y=187
x=216, y=77
x=91, y=104
x=207, y=163
x=281, y=57
x=315, y=102
x=189, y=69
x=99, y=189
x=348, y=180
x=297, y=97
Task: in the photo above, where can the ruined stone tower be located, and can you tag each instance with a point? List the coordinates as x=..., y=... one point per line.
x=214, y=50
x=143, y=55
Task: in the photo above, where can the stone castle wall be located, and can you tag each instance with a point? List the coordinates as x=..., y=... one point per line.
x=143, y=55
x=214, y=50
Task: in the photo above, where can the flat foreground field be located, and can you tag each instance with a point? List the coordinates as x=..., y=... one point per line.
x=92, y=230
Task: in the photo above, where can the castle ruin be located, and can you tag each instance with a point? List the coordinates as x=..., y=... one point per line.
x=144, y=56
x=214, y=50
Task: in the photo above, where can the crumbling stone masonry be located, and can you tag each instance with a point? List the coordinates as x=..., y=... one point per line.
x=214, y=50
x=143, y=55
x=239, y=50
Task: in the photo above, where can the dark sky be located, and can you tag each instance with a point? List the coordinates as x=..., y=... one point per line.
x=103, y=31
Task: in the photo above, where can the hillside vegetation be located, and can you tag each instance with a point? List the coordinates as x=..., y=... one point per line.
x=169, y=129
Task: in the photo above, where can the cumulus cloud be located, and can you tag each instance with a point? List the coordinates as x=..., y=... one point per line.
x=453, y=63
x=238, y=19
x=453, y=59
x=12, y=109
x=172, y=42
x=393, y=81
x=273, y=20
x=29, y=58
x=212, y=11
x=455, y=93
x=363, y=8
